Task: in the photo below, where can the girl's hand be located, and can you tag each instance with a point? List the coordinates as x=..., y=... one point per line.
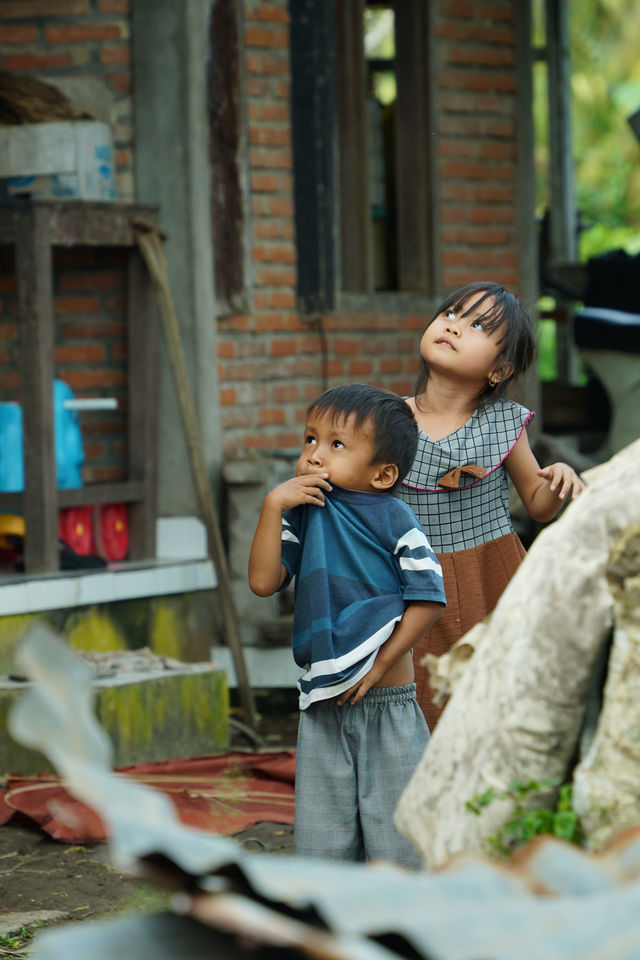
x=309, y=488
x=561, y=478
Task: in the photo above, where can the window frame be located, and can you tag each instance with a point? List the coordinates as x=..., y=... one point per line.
x=331, y=143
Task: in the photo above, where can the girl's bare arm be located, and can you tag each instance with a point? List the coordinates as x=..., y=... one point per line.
x=542, y=490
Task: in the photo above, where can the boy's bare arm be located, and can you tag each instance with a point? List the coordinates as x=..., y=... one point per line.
x=266, y=570
x=416, y=620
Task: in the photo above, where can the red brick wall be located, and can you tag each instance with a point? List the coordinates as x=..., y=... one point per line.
x=270, y=362
x=91, y=350
x=477, y=141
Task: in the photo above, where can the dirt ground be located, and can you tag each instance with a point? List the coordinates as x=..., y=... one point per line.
x=45, y=883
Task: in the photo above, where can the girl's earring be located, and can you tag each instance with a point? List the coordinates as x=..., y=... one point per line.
x=493, y=380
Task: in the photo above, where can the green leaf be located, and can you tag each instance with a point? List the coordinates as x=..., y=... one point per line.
x=566, y=825
x=479, y=801
x=565, y=797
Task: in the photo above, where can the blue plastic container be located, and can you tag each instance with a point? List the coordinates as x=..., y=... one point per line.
x=69, y=453
x=68, y=439
x=11, y=460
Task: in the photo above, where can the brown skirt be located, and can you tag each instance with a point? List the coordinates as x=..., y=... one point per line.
x=473, y=582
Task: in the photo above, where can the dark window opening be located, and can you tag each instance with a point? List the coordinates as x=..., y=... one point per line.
x=364, y=154
x=379, y=53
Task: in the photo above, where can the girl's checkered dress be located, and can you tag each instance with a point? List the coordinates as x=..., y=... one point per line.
x=458, y=488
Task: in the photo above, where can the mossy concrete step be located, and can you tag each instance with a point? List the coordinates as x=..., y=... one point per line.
x=181, y=711
x=181, y=625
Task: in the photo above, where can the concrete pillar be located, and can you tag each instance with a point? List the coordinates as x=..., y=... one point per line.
x=170, y=51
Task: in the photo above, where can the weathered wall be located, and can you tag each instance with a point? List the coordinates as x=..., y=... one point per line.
x=270, y=362
x=183, y=626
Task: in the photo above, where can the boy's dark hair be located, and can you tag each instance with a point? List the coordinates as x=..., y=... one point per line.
x=504, y=313
x=395, y=431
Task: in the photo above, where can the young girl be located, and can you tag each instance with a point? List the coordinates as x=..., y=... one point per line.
x=471, y=439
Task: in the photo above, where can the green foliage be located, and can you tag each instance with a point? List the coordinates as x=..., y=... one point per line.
x=605, y=91
x=14, y=945
x=527, y=822
x=600, y=238
x=547, y=354
x=605, y=88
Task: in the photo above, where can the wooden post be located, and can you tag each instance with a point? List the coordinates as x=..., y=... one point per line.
x=356, y=239
x=35, y=298
x=415, y=148
x=150, y=243
x=142, y=418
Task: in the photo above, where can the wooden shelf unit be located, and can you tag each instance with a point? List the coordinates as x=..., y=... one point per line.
x=34, y=228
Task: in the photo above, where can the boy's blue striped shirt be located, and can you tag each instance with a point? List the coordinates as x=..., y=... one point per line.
x=357, y=562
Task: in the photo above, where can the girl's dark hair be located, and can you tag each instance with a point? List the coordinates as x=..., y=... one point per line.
x=504, y=313
x=395, y=432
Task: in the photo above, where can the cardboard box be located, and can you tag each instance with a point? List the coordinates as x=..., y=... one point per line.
x=70, y=159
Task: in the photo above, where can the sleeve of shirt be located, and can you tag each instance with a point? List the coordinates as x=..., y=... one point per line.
x=419, y=567
x=505, y=422
x=290, y=540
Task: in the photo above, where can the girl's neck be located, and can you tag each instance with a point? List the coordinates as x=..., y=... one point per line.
x=442, y=409
x=441, y=396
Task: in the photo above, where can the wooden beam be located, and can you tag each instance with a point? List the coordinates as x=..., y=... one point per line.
x=77, y=223
x=94, y=493
x=313, y=106
x=562, y=209
x=227, y=150
x=356, y=245
x=527, y=389
x=417, y=196
x=142, y=422
x=35, y=300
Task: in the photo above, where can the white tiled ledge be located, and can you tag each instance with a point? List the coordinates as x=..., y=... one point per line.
x=57, y=591
x=267, y=667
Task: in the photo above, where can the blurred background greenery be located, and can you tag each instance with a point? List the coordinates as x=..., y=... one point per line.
x=605, y=92
x=605, y=88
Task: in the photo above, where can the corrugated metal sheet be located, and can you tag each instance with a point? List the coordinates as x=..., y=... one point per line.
x=556, y=901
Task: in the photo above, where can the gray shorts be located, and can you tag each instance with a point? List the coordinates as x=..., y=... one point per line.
x=352, y=764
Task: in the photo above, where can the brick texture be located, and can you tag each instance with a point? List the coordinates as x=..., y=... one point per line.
x=89, y=349
x=477, y=145
x=271, y=361
x=475, y=95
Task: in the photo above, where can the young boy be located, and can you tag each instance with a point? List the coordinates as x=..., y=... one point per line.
x=367, y=586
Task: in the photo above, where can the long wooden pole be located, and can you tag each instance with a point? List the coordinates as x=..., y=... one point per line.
x=149, y=238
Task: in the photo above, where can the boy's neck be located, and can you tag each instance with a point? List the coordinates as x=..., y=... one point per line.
x=372, y=490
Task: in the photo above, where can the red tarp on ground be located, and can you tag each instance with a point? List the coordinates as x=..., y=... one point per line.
x=222, y=794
